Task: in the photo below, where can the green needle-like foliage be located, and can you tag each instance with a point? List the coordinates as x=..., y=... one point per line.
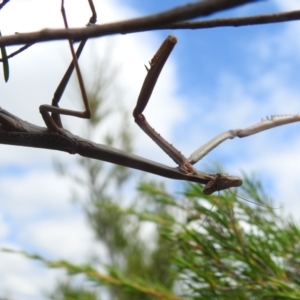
x=235, y=250
x=205, y=247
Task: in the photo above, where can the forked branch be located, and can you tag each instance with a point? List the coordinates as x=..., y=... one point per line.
x=145, y=23
x=237, y=22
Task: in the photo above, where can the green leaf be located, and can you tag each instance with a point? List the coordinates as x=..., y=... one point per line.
x=5, y=63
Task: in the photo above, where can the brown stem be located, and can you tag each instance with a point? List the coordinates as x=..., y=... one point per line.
x=150, y=22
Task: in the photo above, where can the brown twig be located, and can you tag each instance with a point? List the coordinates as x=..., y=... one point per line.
x=92, y=21
x=236, y=22
x=100, y=30
x=151, y=22
x=4, y=2
x=17, y=52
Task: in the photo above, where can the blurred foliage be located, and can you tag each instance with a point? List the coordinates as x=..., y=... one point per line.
x=65, y=290
x=239, y=250
x=215, y=247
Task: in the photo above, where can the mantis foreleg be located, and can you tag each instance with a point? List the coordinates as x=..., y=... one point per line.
x=54, y=122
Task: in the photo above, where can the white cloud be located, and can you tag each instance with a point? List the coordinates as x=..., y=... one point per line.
x=65, y=237
x=34, y=194
x=22, y=278
x=287, y=4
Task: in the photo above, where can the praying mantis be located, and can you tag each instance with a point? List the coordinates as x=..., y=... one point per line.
x=16, y=131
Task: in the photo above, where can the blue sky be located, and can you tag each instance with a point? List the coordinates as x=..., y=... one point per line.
x=215, y=80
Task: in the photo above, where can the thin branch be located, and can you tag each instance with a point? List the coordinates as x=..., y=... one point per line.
x=236, y=22
x=3, y=3
x=17, y=52
x=151, y=22
x=92, y=21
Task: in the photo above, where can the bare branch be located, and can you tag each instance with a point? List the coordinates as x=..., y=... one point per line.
x=236, y=22
x=17, y=52
x=151, y=22
x=3, y=3
x=92, y=21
